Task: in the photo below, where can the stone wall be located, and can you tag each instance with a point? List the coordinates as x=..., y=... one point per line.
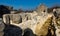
x=18, y=18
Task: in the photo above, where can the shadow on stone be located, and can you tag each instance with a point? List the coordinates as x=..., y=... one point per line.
x=11, y=30
x=28, y=32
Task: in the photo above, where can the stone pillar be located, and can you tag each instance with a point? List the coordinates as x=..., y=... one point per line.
x=23, y=17
x=6, y=18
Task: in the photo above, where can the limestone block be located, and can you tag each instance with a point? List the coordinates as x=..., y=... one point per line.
x=23, y=17
x=16, y=18
x=6, y=18
x=42, y=28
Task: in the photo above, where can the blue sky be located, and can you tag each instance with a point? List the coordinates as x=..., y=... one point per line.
x=28, y=4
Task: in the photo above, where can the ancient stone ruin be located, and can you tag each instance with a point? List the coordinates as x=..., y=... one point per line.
x=37, y=23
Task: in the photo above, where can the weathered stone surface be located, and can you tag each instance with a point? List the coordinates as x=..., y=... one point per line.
x=1, y=25
x=37, y=23
x=57, y=21
x=57, y=26
x=42, y=29
x=58, y=32
x=11, y=17
x=6, y=19
x=17, y=18
x=41, y=8
x=1, y=33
